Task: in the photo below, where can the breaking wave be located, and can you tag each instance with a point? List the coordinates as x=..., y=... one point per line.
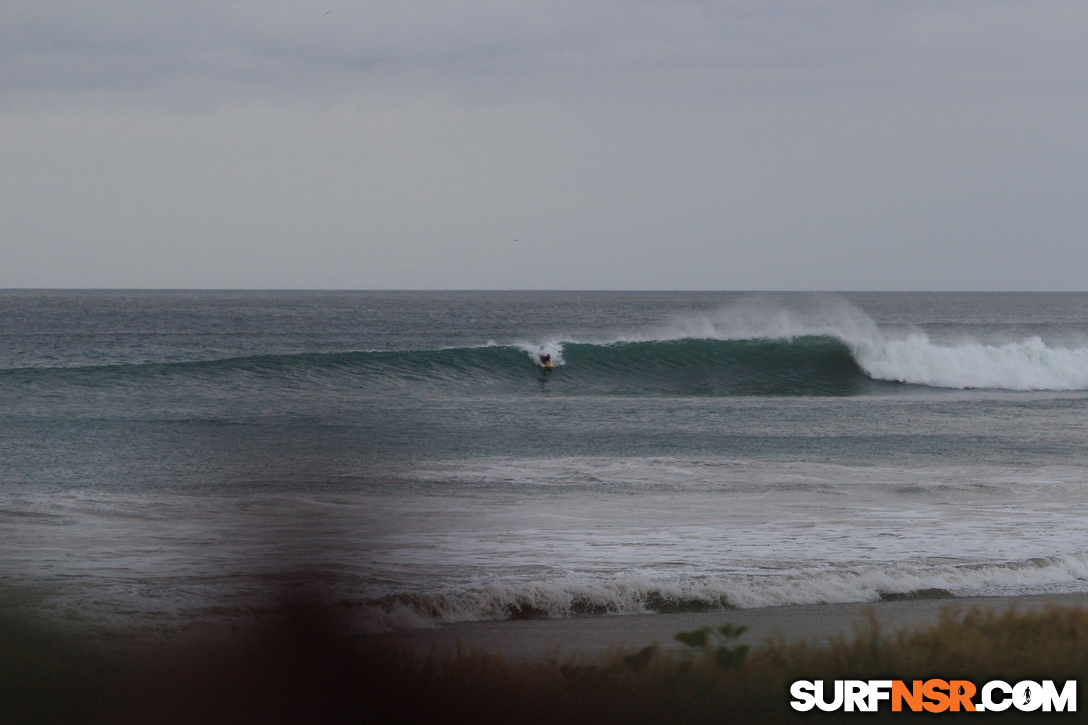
x=631, y=594
x=784, y=353
x=1027, y=365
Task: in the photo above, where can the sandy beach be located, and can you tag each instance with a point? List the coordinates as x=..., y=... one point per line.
x=595, y=636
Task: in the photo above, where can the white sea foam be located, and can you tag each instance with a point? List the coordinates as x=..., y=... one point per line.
x=636, y=594
x=555, y=538
x=1027, y=365
x=627, y=536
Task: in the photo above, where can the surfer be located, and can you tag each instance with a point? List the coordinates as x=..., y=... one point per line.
x=546, y=361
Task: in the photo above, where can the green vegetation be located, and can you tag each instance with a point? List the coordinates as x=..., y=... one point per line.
x=707, y=639
x=302, y=670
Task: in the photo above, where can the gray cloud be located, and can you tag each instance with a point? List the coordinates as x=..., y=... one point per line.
x=133, y=45
x=769, y=144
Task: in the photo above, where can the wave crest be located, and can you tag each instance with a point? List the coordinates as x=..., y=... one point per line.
x=633, y=594
x=830, y=348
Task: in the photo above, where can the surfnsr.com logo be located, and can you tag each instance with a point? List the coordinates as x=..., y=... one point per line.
x=933, y=696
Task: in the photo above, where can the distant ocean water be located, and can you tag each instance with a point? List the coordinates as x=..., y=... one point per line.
x=171, y=457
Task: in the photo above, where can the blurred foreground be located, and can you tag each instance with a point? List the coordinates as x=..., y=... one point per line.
x=302, y=668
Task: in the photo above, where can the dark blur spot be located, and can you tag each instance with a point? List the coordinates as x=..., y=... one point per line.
x=299, y=668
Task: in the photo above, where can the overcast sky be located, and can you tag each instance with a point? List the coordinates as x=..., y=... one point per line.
x=821, y=145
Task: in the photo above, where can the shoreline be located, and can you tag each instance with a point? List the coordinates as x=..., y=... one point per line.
x=594, y=637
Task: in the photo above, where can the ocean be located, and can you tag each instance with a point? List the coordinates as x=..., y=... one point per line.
x=172, y=458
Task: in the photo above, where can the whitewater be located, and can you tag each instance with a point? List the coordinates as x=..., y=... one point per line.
x=170, y=458
x=895, y=355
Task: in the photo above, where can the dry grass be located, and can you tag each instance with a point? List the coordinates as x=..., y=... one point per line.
x=301, y=671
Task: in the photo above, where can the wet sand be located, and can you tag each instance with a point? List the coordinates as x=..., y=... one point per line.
x=593, y=637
